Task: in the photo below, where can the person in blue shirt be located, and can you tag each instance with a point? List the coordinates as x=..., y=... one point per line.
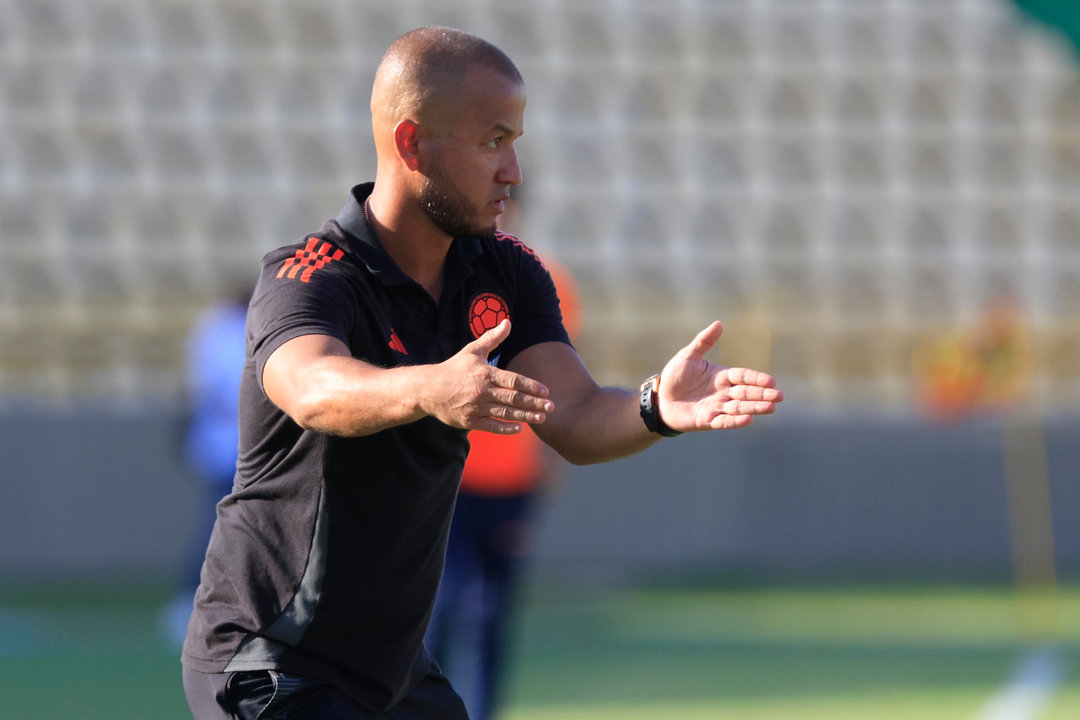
x=214, y=358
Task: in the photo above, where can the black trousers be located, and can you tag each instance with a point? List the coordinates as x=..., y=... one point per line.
x=268, y=695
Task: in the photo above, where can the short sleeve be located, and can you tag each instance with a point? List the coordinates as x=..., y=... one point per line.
x=536, y=316
x=284, y=307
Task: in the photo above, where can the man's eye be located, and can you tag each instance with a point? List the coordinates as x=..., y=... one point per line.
x=495, y=142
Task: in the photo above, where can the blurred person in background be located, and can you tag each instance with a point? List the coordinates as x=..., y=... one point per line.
x=491, y=536
x=983, y=369
x=214, y=359
x=374, y=346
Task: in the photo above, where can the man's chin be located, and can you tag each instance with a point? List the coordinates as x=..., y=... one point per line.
x=487, y=230
x=462, y=229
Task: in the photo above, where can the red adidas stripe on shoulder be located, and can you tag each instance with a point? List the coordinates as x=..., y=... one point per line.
x=312, y=257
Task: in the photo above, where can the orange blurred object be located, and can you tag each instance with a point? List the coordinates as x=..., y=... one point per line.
x=514, y=464
x=987, y=368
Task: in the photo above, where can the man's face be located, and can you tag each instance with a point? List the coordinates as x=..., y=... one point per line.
x=470, y=170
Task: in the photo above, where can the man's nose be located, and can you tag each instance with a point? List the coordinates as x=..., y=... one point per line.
x=510, y=169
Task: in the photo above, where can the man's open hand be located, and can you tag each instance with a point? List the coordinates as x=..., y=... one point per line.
x=696, y=394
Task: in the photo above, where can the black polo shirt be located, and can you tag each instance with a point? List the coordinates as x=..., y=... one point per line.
x=326, y=556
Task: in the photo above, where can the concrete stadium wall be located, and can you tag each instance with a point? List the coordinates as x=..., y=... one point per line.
x=806, y=498
x=92, y=491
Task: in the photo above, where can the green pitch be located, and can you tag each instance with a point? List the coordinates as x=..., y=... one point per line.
x=835, y=653
x=851, y=652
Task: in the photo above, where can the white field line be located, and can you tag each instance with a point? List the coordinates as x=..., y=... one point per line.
x=1034, y=679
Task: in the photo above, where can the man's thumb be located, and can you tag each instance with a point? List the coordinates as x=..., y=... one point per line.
x=492, y=338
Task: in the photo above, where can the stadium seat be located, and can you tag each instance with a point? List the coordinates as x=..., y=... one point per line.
x=1065, y=230
x=793, y=163
x=176, y=153
x=243, y=153
x=43, y=152
x=791, y=101
x=929, y=291
x=47, y=25
x=31, y=88
x=586, y=33
x=179, y=26
x=724, y=35
x=927, y=230
x=933, y=39
x=862, y=163
x=931, y=164
x=999, y=230
x=245, y=28
x=861, y=101
x=929, y=102
x=1001, y=104
x=115, y=27
x=865, y=39
x=857, y=230
x=1064, y=162
x=1000, y=164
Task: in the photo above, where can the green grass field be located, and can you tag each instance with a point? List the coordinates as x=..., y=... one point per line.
x=852, y=652
x=838, y=653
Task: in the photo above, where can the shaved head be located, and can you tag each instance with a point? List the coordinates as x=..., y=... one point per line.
x=446, y=108
x=422, y=75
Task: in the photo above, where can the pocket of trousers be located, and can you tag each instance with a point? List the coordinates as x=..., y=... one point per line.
x=260, y=694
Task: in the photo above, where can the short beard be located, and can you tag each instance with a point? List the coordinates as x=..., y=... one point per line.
x=448, y=209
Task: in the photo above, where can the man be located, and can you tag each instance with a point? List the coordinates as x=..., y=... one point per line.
x=374, y=346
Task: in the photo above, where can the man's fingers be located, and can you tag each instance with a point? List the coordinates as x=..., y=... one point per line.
x=752, y=393
x=514, y=400
x=506, y=412
x=756, y=392
x=497, y=426
x=509, y=414
x=519, y=385
x=481, y=396
x=746, y=376
x=749, y=407
x=731, y=422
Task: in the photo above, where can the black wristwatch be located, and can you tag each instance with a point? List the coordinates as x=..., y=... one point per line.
x=650, y=408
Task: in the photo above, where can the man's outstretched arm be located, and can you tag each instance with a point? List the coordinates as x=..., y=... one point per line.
x=594, y=424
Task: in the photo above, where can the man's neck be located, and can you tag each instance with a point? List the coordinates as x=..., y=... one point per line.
x=412, y=242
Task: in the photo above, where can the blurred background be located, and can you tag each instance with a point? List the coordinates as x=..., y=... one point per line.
x=877, y=197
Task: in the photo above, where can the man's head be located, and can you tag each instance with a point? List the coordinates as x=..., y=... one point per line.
x=446, y=107
x=422, y=75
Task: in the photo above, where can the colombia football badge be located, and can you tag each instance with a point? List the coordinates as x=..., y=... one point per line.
x=485, y=312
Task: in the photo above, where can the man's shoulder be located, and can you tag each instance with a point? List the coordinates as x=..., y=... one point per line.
x=509, y=248
x=315, y=253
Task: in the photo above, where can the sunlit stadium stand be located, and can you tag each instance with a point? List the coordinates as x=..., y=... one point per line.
x=839, y=180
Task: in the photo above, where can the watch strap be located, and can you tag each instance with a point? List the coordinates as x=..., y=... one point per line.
x=649, y=404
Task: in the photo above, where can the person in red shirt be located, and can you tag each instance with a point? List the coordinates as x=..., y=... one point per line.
x=490, y=538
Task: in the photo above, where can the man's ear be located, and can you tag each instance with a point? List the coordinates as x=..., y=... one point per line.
x=407, y=143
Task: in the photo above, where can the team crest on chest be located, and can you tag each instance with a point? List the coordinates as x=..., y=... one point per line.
x=486, y=311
